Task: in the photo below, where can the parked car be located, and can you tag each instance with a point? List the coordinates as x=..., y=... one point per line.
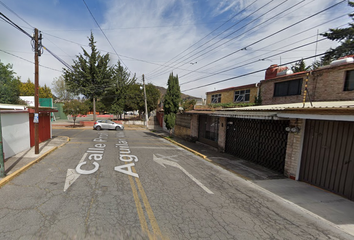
x=107, y=124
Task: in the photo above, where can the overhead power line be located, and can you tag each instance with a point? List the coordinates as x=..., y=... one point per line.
x=270, y=35
x=16, y=14
x=250, y=73
x=191, y=59
x=29, y=60
x=235, y=15
x=105, y=35
x=6, y=19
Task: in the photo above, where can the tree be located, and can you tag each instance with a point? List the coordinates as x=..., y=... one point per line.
x=152, y=97
x=171, y=102
x=343, y=35
x=115, y=95
x=75, y=108
x=9, y=85
x=91, y=74
x=60, y=89
x=188, y=104
x=28, y=89
x=300, y=66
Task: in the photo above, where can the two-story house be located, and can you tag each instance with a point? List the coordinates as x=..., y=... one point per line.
x=240, y=94
x=303, y=129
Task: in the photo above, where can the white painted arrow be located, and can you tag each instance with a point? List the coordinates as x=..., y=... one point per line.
x=164, y=162
x=72, y=175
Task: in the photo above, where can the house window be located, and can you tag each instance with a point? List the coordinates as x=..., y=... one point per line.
x=288, y=88
x=349, y=81
x=216, y=98
x=242, y=96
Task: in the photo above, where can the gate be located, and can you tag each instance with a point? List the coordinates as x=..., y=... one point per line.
x=328, y=156
x=260, y=141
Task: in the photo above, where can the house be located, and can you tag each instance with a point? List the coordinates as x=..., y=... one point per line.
x=241, y=94
x=18, y=127
x=304, y=128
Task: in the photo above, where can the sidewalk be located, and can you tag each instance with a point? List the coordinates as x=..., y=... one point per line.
x=319, y=203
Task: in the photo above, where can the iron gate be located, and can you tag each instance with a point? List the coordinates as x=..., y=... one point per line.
x=328, y=156
x=260, y=141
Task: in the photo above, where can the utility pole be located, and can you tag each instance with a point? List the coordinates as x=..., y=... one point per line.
x=2, y=166
x=146, y=110
x=37, y=53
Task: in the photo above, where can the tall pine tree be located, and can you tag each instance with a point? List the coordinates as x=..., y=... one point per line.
x=346, y=38
x=92, y=74
x=171, y=102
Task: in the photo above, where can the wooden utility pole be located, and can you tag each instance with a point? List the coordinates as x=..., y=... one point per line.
x=36, y=97
x=146, y=110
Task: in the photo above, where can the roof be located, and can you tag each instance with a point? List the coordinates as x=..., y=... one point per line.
x=5, y=106
x=298, y=106
x=338, y=110
x=234, y=88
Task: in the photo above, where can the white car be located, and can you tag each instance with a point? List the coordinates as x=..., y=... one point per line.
x=107, y=124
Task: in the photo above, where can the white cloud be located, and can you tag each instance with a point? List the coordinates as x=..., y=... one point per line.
x=150, y=33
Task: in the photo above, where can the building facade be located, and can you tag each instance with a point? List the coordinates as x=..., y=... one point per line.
x=310, y=141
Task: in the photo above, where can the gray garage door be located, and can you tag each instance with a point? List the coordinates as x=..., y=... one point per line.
x=328, y=156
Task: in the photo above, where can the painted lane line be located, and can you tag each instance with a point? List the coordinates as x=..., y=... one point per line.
x=164, y=162
x=72, y=175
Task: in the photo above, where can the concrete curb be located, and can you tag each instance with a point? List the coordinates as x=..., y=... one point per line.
x=204, y=157
x=24, y=168
x=187, y=148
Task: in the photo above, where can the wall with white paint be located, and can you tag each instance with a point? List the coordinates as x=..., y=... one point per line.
x=15, y=133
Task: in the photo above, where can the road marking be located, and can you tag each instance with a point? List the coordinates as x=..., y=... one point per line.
x=153, y=222
x=139, y=208
x=164, y=162
x=72, y=175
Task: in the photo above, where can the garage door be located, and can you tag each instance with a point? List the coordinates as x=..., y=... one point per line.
x=328, y=156
x=260, y=141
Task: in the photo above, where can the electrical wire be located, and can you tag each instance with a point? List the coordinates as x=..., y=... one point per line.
x=244, y=26
x=244, y=48
x=16, y=14
x=7, y=20
x=270, y=35
x=29, y=61
x=250, y=73
x=105, y=35
x=235, y=15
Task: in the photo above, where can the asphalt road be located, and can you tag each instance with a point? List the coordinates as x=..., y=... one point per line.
x=133, y=184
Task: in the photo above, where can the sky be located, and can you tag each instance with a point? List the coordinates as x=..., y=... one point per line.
x=209, y=44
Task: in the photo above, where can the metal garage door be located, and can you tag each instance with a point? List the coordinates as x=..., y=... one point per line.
x=260, y=141
x=328, y=156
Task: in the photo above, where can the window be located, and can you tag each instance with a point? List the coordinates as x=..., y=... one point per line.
x=242, y=96
x=349, y=81
x=288, y=88
x=216, y=98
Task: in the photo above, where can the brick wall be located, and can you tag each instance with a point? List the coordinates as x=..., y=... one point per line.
x=222, y=134
x=325, y=84
x=293, y=150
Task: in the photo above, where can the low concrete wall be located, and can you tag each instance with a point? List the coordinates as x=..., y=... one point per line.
x=15, y=133
x=90, y=123
x=134, y=122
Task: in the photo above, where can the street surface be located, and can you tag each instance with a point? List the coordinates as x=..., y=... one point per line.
x=133, y=184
